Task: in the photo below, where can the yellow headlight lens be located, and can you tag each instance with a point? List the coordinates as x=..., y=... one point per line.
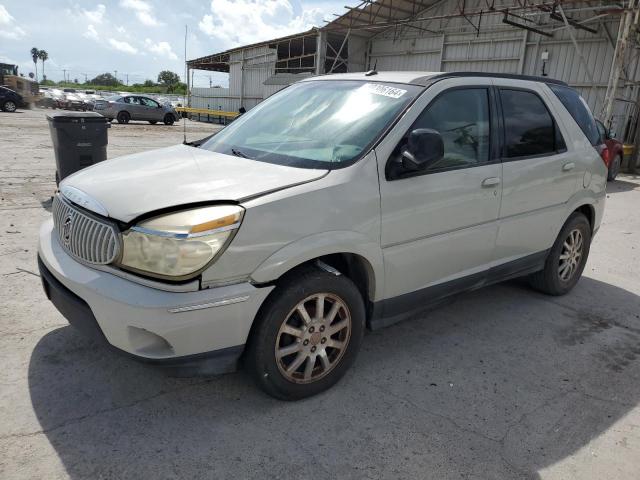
x=180, y=244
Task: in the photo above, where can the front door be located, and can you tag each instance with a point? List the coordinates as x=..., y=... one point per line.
x=439, y=225
x=150, y=109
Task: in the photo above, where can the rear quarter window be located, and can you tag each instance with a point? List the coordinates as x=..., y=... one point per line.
x=580, y=112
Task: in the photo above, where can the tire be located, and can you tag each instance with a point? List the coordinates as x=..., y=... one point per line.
x=110, y=120
x=553, y=280
x=614, y=168
x=123, y=117
x=9, y=106
x=153, y=122
x=313, y=340
x=168, y=119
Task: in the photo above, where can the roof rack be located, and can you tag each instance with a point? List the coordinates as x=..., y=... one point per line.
x=531, y=78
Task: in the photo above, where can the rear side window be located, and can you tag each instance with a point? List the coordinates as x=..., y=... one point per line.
x=579, y=110
x=529, y=127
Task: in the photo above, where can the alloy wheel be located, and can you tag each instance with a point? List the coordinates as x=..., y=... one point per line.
x=313, y=338
x=10, y=106
x=571, y=255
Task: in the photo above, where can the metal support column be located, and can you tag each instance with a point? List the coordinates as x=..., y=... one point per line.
x=321, y=51
x=627, y=21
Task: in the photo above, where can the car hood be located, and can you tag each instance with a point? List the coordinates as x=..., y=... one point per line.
x=127, y=187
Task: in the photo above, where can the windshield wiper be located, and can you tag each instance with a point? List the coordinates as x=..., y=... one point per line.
x=238, y=153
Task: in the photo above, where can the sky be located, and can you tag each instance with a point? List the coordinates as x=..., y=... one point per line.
x=139, y=38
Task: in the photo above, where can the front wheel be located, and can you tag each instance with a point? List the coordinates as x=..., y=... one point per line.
x=614, y=168
x=566, y=259
x=168, y=119
x=308, y=334
x=9, y=106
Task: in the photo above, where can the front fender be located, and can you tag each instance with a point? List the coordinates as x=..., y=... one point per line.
x=325, y=243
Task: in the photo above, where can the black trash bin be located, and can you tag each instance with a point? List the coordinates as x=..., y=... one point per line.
x=79, y=140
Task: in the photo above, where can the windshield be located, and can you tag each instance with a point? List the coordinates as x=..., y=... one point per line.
x=315, y=124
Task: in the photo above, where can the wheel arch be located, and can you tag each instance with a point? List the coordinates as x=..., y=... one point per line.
x=350, y=253
x=588, y=211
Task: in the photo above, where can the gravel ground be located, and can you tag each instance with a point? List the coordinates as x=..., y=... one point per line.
x=501, y=383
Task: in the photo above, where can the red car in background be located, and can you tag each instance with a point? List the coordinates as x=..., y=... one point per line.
x=615, y=151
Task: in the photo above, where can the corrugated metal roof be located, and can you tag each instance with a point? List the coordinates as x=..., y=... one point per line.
x=219, y=62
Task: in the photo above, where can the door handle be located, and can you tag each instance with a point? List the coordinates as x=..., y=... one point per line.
x=491, y=182
x=568, y=166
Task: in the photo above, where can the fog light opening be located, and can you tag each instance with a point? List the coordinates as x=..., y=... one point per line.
x=148, y=343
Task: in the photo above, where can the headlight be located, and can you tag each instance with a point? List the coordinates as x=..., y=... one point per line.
x=180, y=244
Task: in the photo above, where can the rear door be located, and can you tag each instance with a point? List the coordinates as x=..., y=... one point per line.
x=439, y=225
x=538, y=171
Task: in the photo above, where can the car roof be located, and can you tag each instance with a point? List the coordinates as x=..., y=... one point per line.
x=392, y=77
x=425, y=78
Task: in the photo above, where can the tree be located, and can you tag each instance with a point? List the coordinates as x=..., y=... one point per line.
x=168, y=79
x=106, y=79
x=44, y=56
x=149, y=83
x=34, y=56
x=75, y=80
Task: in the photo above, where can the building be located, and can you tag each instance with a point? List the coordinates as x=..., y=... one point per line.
x=588, y=44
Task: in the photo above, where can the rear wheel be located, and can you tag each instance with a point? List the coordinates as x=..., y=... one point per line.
x=567, y=258
x=123, y=117
x=168, y=119
x=308, y=334
x=9, y=106
x=614, y=168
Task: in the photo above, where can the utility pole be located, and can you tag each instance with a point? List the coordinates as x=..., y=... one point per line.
x=85, y=77
x=64, y=75
x=116, y=75
x=127, y=79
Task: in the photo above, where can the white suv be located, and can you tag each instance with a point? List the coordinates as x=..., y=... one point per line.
x=339, y=203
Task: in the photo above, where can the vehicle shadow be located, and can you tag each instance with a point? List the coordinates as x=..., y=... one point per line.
x=501, y=383
x=621, y=185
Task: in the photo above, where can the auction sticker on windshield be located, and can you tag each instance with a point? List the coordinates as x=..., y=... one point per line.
x=384, y=90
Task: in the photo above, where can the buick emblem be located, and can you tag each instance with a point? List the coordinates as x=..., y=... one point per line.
x=66, y=229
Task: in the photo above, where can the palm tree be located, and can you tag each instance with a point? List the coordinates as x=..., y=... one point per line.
x=43, y=55
x=34, y=56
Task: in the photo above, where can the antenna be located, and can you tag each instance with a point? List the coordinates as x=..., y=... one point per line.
x=186, y=72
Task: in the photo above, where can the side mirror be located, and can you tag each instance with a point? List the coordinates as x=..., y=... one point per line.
x=424, y=147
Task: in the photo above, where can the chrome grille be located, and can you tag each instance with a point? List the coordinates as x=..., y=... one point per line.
x=85, y=237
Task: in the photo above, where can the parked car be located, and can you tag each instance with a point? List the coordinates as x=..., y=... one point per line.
x=341, y=202
x=10, y=100
x=75, y=102
x=136, y=107
x=52, y=98
x=88, y=100
x=615, y=151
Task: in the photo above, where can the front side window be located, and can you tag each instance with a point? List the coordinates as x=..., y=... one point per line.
x=529, y=127
x=602, y=130
x=461, y=117
x=147, y=102
x=315, y=124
